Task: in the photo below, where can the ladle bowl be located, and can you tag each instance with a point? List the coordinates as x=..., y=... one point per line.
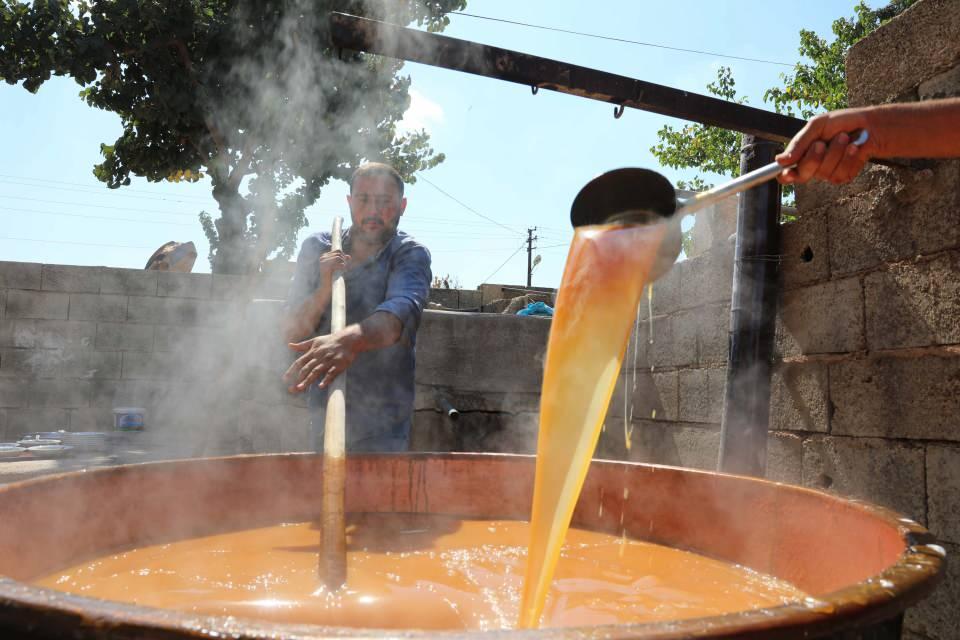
x=862, y=565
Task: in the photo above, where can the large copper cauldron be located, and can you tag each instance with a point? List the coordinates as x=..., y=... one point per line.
x=863, y=565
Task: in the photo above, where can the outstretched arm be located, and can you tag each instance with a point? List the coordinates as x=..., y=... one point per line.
x=822, y=149
x=326, y=357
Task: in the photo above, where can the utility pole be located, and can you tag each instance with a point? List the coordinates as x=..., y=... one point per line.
x=530, y=247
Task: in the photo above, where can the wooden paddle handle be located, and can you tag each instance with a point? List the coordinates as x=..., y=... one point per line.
x=333, y=553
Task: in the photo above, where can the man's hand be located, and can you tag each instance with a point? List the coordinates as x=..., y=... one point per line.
x=823, y=149
x=332, y=261
x=323, y=359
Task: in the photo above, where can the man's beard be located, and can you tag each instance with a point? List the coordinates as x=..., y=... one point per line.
x=378, y=236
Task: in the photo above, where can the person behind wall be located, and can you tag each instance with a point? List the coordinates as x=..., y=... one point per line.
x=822, y=149
x=387, y=279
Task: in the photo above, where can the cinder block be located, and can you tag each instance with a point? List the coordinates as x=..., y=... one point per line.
x=885, y=472
x=274, y=286
x=230, y=287
x=186, y=339
x=707, y=278
x=641, y=395
x=96, y=307
x=62, y=393
x=713, y=334
x=20, y=275
x=58, y=363
x=37, y=304
x=944, y=85
x=183, y=285
x=470, y=299
x=13, y=392
x=3, y=304
x=666, y=294
x=4, y=436
x=805, y=248
x=822, y=318
x=943, y=489
x=165, y=365
x=90, y=419
x=18, y=333
x=671, y=443
x=152, y=394
x=897, y=397
x=701, y=395
x=120, y=336
x=902, y=213
x=914, y=304
x=177, y=311
x=685, y=327
x=799, y=397
x=481, y=352
x=785, y=458
x=133, y=282
x=913, y=47
x=449, y=298
x=59, y=334
x=31, y=419
x=71, y=279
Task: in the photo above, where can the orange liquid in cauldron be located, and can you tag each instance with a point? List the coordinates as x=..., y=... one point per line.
x=421, y=572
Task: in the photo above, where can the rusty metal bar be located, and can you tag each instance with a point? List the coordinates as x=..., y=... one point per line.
x=362, y=34
x=753, y=312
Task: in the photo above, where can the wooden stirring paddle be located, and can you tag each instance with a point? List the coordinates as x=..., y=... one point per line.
x=333, y=542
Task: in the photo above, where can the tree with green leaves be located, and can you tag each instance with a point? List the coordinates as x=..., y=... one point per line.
x=249, y=93
x=813, y=87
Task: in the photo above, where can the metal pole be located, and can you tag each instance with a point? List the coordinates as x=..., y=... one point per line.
x=530, y=239
x=753, y=309
x=393, y=41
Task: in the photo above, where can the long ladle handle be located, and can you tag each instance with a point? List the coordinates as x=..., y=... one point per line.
x=744, y=182
x=333, y=543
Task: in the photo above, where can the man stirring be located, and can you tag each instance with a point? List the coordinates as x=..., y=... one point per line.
x=387, y=277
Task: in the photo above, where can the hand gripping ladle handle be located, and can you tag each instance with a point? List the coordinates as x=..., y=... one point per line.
x=757, y=176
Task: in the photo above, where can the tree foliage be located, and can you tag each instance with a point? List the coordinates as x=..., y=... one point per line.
x=249, y=93
x=812, y=87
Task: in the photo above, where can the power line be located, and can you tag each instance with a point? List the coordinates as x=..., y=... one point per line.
x=86, y=244
x=88, y=186
x=97, y=206
x=470, y=209
x=520, y=248
x=625, y=40
x=93, y=190
x=81, y=215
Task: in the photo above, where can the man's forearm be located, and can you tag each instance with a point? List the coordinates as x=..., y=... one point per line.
x=927, y=129
x=377, y=331
x=300, y=324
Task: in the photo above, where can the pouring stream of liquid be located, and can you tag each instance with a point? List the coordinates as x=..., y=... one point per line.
x=602, y=285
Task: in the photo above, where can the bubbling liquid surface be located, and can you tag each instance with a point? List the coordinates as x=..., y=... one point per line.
x=409, y=571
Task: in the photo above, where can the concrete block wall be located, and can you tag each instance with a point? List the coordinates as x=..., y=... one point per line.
x=869, y=330
x=75, y=342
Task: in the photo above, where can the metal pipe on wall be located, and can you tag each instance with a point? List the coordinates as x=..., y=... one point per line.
x=753, y=311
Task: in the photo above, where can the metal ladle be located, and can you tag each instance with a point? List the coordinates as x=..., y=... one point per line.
x=643, y=196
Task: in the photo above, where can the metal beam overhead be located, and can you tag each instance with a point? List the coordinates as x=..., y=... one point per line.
x=372, y=36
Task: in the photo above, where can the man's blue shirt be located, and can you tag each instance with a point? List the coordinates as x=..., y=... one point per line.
x=380, y=383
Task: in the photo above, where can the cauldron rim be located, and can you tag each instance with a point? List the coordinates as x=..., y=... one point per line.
x=880, y=597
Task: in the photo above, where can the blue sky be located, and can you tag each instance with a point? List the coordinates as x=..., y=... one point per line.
x=512, y=156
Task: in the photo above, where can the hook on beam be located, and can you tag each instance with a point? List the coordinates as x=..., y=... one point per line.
x=618, y=111
x=534, y=89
